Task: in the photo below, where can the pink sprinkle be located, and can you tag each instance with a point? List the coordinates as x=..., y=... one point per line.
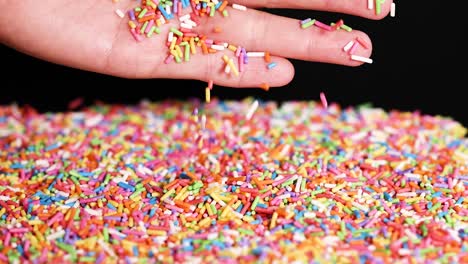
x=362, y=42
x=238, y=51
x=148, y=27
x=353, y=48
x=324, y=100
x=323, y=26
x=19, y=230
x=241, y=63
x=135, y=35
x=169, y=59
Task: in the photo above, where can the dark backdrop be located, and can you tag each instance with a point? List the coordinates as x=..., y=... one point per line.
x=415, y=56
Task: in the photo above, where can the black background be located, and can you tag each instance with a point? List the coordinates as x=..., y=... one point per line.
x=415, y=68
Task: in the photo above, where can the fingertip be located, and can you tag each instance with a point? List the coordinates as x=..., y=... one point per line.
x=285, y=73
x=383, y=12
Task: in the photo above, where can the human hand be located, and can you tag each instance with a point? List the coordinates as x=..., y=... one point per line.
x=88, y=35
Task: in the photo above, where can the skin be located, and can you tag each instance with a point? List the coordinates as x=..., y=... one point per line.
x=88, y=35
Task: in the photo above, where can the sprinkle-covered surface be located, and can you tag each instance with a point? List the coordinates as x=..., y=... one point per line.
x=232, y=182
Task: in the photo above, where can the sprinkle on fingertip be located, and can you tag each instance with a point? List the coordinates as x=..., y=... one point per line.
x=271, y=65
x=348, y=46
x=265, y=86
x=392, y=10
x=361, y=59
x=239, y=7
x=323, y=99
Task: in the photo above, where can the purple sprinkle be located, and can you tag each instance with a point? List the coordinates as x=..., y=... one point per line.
x=131, y=14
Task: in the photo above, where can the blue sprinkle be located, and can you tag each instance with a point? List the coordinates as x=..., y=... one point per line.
x=51, y=147
x=387, y=196
x=271, y=65
x=126, y=186
x=17, y=166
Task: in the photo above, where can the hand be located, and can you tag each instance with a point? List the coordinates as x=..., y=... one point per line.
x=87, y=34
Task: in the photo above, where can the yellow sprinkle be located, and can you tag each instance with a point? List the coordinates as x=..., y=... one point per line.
x=172, y=46
x=204, y=222
x=207, y=95
x=338, y=187
x=181, y=193
x=156, y=232
x=208, y=209
x=232, y=48
x=274, y=217
x=179, y=51
x=193, y=50
x=2, y=211
x=166, y=195
x=225, y=212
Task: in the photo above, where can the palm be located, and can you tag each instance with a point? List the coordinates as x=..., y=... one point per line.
x=87, y=34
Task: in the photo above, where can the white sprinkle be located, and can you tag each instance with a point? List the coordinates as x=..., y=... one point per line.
x=227, y=69
x=217, y=47
x=114, y=232
x=120, y=13
x=4, y=198
x=256, y=54
x=252, y=109
x=186, y=25
x=106, y=247
x=170, y=36
x=56, y=235
x=191, y=23
x=93, y=212
x=42, y=163
x=184, y=17
x=298, y=185
x=348, y=46
x=361, y=59
x=392, y=10
x=370, y=4
x=406, y=194
x=203, y=121
x=239, y=7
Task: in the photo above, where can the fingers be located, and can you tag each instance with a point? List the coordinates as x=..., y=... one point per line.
x=260, y=31
x=212, y=67
x=352, y=7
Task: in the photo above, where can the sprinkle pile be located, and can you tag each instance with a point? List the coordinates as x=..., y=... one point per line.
x=232, y=182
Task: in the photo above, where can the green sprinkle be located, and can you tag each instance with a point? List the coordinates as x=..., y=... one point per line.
x=177, y=58
x=187, y=52
x=143, y=28
x=364, y=230
x=143, y=13
x=255, y=203
x=136, y=193
x=378, y=8
x=176, y=31
x=345, y=27
x=87, y=259
x=246, y=231
x=435, y=207
x=212, y=12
